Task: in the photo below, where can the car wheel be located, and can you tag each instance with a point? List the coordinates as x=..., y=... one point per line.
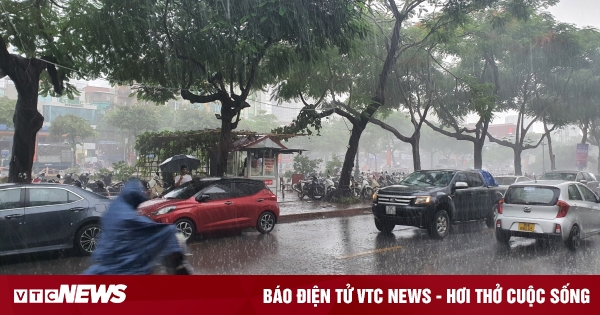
x=574, y=239
x=440, y=227
x=502, y=236
x=86, y=238
x=384, y=225
x=185, y=227
x=266, y=222
x=489, y=220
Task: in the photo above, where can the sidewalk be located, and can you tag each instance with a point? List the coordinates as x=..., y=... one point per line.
x=293, y=210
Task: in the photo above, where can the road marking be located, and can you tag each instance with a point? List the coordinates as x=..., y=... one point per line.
x=376, y=251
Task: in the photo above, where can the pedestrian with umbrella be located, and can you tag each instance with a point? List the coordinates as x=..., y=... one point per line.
x=180, y=163
x=183, y=178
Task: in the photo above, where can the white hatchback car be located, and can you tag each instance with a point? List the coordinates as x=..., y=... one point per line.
x=547, y=210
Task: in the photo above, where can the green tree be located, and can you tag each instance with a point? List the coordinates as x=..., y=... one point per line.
x=193, y=117
x=133, y=120
x=538, y=62
x=304, y=165
x=73, y=127
x=39, y=34
x=224, y=50
x=334, y=165
x=261, y=123
x=7, y=111
x=386, y=45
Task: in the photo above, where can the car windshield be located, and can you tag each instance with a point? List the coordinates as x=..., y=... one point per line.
x=559, y=176
x=505, y=180
x=429, y=178
x=186, y=191
x=532, y=195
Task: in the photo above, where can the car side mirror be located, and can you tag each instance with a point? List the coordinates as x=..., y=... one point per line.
x=461, y=185
x=58, y=176
x=583, y=181
x=203, y=198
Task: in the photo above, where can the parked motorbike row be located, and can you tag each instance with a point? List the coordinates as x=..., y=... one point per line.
x=323, y=188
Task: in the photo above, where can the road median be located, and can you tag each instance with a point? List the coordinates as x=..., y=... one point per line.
x=291, y=218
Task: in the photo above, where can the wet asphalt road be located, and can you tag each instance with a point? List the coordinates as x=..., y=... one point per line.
x=352, y=245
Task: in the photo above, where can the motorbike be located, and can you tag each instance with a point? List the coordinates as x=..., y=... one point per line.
x=155, y=185
x=98, y=187
x=361, y=188
x=312, y=188
x=329, y=187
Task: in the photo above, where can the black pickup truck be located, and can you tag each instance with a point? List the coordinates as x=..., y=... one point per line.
x=434, y=199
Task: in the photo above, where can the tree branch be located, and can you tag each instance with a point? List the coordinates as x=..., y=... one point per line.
x=391, y=129
x=193, y=98
x=501, y=142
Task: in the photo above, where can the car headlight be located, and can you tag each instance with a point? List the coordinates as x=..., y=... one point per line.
x=164, y=210
x=421, y=200
x=375, y=197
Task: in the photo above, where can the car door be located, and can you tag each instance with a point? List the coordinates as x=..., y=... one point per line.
x=590, y=199
x=11, y=218
x=218, y=212
x=51, y=215
x=248, y=203
x=461, y=197
x=480, y=204
x=579, y=207
x=592, y=183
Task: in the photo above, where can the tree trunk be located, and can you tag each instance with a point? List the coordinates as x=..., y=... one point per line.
x=415, y=151
x=551, y=153
x=517, y=161
x=224, y=139
x=478, y=153
x=584, y=130
x=357, y=130
x=28, y=121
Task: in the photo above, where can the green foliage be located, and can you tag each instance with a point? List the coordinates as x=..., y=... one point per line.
x=304, y=165
x=261, y=123
x=121, y=171
x=133, y=119
x=333, y=167
x=242, y=43
x=73, y=127
x=7, y=110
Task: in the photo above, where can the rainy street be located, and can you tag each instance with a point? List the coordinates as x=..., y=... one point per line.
x=352, y=245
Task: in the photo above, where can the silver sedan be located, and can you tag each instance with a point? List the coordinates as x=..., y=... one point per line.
x=547, y=210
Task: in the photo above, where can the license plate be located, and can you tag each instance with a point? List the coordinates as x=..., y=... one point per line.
x=527, y=227
x=390, y=210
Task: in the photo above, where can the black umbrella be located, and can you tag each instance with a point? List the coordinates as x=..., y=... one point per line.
x=174, y=163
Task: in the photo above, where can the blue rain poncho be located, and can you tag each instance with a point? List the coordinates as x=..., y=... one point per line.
x=131, y=243
x=490, y=181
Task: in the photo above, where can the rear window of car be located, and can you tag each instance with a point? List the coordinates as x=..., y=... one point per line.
x=560, y=176
x=505, y=180
x=532, y=195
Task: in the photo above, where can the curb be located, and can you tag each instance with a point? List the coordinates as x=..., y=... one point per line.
x=291, y=218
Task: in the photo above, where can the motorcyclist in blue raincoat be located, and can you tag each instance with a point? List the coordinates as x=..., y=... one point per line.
x=131, y=243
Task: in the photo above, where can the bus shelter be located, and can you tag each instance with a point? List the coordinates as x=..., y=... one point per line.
x=258, y=158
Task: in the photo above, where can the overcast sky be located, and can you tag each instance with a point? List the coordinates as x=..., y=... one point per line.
x=579, y=12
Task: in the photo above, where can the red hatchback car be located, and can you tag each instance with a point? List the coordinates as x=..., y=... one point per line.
x=216, y=204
